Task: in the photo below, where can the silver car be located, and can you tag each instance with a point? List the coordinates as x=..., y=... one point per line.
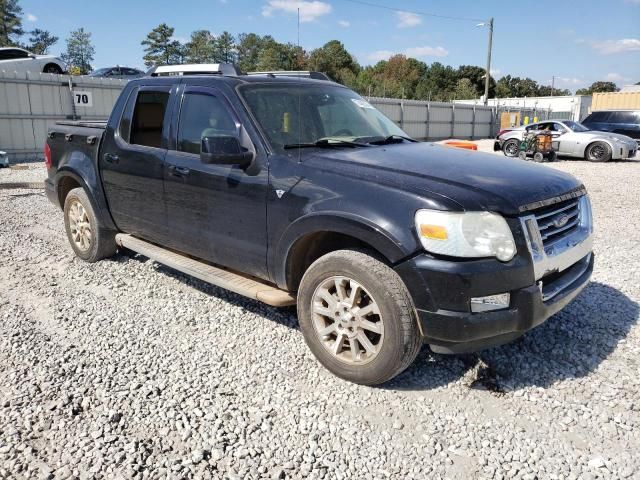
x=571, y=139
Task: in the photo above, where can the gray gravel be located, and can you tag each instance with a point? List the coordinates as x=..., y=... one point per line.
x=126, y=369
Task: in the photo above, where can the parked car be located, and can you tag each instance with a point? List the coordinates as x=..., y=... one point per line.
x=117, y=72
x=571, y=139
x=20, y=60
x=296, y=190
x=625, y=122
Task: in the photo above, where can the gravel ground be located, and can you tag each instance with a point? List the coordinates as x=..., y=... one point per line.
x=127, y=369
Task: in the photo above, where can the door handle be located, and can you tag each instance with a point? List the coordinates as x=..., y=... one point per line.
x=178, y=171
x=111, y=158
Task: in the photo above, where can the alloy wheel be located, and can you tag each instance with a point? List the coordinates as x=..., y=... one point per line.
x=347, y=320
x=80, y=226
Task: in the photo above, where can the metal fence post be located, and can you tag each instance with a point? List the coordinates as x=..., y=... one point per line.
x=402, y=114
x=428, y=120
x=453, y=119
x=473, y=123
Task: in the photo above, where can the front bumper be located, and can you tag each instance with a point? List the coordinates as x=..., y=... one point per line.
x=541, y=280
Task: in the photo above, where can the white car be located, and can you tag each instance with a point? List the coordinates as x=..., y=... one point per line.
x=571, y=139
x=14, y=59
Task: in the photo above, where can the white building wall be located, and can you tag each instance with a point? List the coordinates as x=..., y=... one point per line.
x=574, y=107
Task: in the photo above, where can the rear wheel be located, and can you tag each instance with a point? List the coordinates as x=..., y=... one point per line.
x=522, y=155
x=357, y=317
x=511, y=147
x=552, y=156
x=598, y=152
x=538, y=157
x=52, y=68
x=89, y=240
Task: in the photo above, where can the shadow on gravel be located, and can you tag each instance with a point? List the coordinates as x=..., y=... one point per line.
x=285, y=316
x=571, y=344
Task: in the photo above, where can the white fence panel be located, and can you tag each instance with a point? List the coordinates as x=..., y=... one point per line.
x=31, y=102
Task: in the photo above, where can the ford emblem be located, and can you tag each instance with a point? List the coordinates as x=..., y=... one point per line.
x=561, y=221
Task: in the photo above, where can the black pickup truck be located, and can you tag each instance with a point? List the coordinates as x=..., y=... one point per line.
x=298, y=191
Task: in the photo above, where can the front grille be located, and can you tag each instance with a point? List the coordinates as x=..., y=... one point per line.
x=558, y=220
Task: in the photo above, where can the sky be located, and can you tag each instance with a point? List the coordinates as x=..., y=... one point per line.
x=575, y=41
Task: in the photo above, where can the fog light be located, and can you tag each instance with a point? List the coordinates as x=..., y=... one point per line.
x=490, y=302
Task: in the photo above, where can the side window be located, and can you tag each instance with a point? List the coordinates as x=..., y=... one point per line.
x=623, y=117
x=148, y=117
x=599, y=117
x=202, y=115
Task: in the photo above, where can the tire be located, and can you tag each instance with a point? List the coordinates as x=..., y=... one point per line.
x=391, y=333
x=511, y=147
x=52, y=68
x=552, y=156
x=538, y=157
x=522, y=155
x=89, y=240
x=598, y=152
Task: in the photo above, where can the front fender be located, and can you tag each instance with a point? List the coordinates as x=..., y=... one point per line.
x=392, y=248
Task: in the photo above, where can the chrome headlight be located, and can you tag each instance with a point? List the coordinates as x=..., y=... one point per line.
x=465, y=234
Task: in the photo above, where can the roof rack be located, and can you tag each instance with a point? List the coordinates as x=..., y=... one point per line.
x=226, y=69
x=295, y=73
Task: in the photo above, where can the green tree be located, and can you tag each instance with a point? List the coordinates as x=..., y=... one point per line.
x=10, y=23
x=438, y=83
x=465, y=90
x=40, y=41
x=509, y=86
x=161, y=48
x=334, y=60
x=476, y=76
x=280, y=56
x=201, y=47
x=225, y=48
x=248, y=48
x=547, y=91
x=80, y=51
x=598, y=87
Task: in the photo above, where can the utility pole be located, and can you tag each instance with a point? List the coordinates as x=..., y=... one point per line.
x=488, y=75
x=553, y=83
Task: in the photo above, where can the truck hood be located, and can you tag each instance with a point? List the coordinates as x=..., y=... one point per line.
x=474, y=180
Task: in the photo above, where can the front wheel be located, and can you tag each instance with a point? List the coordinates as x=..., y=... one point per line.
x=511, y=147
x=89, y=240
x=357, y=317
x=598, y=152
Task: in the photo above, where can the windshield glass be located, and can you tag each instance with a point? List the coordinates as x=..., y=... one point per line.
x=98, y=72
x=576, y=127
x=302, y=114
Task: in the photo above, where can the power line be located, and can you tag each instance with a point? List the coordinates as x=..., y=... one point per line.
x=416, y=12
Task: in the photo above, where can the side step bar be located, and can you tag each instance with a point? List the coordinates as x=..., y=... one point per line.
x=226, y=279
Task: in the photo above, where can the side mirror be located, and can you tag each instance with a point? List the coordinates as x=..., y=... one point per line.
x=224, y=150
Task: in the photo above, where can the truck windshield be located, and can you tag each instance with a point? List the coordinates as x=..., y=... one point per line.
x=291, y=115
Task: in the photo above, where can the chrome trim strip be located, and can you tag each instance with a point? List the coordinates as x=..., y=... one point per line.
x=559, y=255
x=554, y=212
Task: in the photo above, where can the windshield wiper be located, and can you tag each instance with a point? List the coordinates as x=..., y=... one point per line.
x=392, y=139
x=325, y=143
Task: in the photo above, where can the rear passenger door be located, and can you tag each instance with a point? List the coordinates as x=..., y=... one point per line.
x=215, y=212
x=132, y=164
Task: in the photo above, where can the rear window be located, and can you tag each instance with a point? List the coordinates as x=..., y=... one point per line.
x=148, y=118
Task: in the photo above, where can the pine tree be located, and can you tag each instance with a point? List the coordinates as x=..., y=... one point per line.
x=79, y=52
x=225, y=48
x=201, y=48
x=40, y=41
x=160, y=47
x=10, y=23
